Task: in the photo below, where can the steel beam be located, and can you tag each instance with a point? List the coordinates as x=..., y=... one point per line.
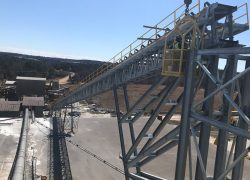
x=199, y=157
x=121, y=133
x=220, y=125
x=229, y=51
x=159, y=152
x=146, y=107
x=185, y=121
x=206, y=128
x=131, y=126
x=151, y=120
x=163, y=123
x=133, y=69
x=147, y=60
x=241, y=142
x=221, y=153
x=170, y=136
x=142, y=98
x=226, y=84
x=236, y=162
x=154, y=27
x=151, y=177
x=137, y=177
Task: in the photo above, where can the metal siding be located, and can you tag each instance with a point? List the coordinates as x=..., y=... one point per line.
x=33, y=101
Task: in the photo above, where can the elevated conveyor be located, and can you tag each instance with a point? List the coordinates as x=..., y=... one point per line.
x=144, y=56
x=207, y=35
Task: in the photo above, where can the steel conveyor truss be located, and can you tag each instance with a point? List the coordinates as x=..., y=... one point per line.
x=210, y=38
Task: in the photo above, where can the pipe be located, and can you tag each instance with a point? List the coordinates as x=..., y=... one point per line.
x=18, y=173
x=33, y=115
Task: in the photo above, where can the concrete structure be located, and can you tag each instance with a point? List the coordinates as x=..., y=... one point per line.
x=33, y=101
x=37, y=103
x=9, y=108
x=30, y=86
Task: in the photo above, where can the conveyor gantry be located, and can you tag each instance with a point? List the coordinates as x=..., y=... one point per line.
x=210, y=36
x=144, y=56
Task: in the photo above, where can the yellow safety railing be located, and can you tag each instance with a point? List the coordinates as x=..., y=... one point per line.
x=152, y=33
x=174, y=58
x=174, y=62
x=176, y=55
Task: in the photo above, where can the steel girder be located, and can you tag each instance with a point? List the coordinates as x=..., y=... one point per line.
x=197, y=117
x=190, y=127
x=149, y=59
x=136, y=69
x=153, y=145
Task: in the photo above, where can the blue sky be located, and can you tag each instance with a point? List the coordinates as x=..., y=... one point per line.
x=81, y=28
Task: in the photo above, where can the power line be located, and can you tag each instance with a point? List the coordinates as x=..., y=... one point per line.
x=96, y=156
x=89, y=152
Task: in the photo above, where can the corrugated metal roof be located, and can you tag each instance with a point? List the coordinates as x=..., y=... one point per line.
x=10, y=105
x=33, y=101
x=30, y=78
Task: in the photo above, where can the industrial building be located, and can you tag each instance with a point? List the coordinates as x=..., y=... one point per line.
x=9, y=108
x=30, y=86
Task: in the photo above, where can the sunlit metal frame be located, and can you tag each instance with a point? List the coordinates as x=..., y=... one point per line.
x=196, y=118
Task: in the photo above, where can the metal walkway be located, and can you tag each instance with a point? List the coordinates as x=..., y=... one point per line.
x=209, y=34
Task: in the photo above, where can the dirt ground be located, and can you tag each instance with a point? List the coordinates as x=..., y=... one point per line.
x=135, y=91
x=99, y=134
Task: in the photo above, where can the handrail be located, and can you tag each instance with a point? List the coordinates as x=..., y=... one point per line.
x=245, y=5
x=137, y=45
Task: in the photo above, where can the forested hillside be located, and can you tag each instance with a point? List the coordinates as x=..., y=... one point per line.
x=12, y=65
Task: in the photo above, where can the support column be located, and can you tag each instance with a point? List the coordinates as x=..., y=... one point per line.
x=64, y=119
x=71, y=120
x=185, y=120
x=231, y=67
x=121, y=133
x=221, y=152
x=205, y=128
x=131, y=126
x=241, y=142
